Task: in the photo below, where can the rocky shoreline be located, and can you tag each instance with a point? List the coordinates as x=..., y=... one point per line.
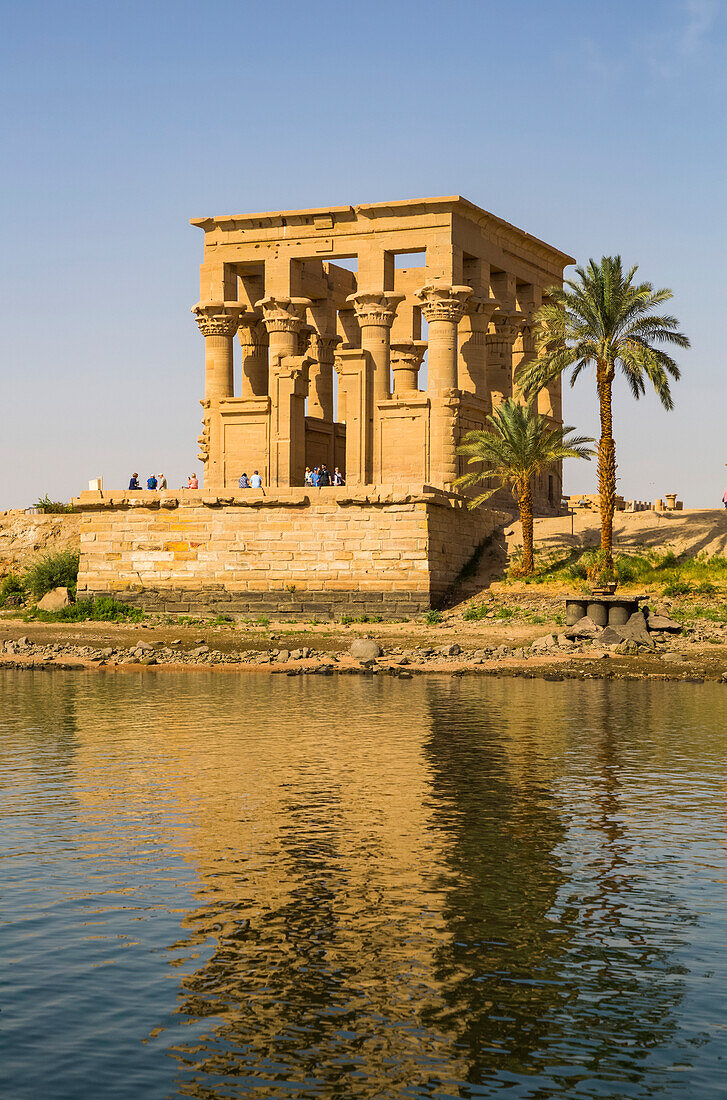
x=555, y=657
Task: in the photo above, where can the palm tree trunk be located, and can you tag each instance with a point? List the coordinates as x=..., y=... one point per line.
x=606, y=464
x=525, y=505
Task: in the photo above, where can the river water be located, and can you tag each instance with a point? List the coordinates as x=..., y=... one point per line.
x=262, y=886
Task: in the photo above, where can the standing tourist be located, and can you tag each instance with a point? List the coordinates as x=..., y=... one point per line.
x=134, y=482
x=325, y=476
x=307, y=475
x=244, y=482
x=161, y=482
x=338, y=477
x=724, y=498
x=315, y=476
x=193, y=483
x=256, y=482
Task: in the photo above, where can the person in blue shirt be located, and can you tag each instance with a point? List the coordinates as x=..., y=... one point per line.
x=134, y=482
x=256, y=482
x=151, y=482
x=315, y=477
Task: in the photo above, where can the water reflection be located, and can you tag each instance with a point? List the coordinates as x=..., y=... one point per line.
x=300, y=888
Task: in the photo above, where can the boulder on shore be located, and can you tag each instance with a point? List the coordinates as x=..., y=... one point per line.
x=584, y=628
x=54, y=600
x=663, y=622
x=365, y=649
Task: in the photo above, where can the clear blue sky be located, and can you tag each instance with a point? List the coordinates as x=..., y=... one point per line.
x=599, y=127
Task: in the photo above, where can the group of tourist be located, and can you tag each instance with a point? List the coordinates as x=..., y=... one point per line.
x=253, y=482
x=158, y=481
x=154, y=481
x=321, y=476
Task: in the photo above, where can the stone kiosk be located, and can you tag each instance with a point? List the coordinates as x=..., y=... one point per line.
x=335, y=311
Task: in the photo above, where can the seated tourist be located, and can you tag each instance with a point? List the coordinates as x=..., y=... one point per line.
x=151, y=481
x=134, y=482
x=256, y=482
x=161, y=481
x=244, y=482
x=193, y=483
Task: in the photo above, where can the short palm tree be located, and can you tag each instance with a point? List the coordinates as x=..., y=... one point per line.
x=516, y=445
x=602, y=317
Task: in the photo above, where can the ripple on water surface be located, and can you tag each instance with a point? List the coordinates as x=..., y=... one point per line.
x=293, y=887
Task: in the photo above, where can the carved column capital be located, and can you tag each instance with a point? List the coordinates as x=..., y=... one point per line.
x=322, y=346
x=408, y=354
x=505, y=325
x=218, y=318
x=283, y=314
x=252, y=334
x=375, y=308
x=443, y=303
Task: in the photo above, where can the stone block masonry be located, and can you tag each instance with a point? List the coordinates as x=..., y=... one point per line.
x=331, y=551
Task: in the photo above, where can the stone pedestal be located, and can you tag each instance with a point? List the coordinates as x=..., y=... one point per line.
x=353, y=367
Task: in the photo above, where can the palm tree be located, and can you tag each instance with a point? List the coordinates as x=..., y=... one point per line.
x=603, y=317
x=516, y=445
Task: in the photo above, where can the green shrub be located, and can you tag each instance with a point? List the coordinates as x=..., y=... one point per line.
x=433, y=617
x=105, y=610
x=475, y=612
x=51, y=571
x=677, y=587
x=57, y=507
x=12, y=591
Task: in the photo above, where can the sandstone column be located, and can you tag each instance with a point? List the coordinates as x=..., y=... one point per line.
x=442, y=308
x=503, y=332
x=218, y=323
x=375, y=311
x=288, y=385
x=406, y=359
x=473, y=347
x=322, y=350
x=253, y=338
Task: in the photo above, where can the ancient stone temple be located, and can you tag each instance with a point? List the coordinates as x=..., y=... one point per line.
x=369, y=338
x=344, y=295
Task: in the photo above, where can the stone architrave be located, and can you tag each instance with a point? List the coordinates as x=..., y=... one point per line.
x=218, y=323
x=443, y=307
x=321, y=349
x=406, y=359
x=253, y=337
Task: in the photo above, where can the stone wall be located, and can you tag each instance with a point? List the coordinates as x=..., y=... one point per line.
x=327, y=551
x=23, y=535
